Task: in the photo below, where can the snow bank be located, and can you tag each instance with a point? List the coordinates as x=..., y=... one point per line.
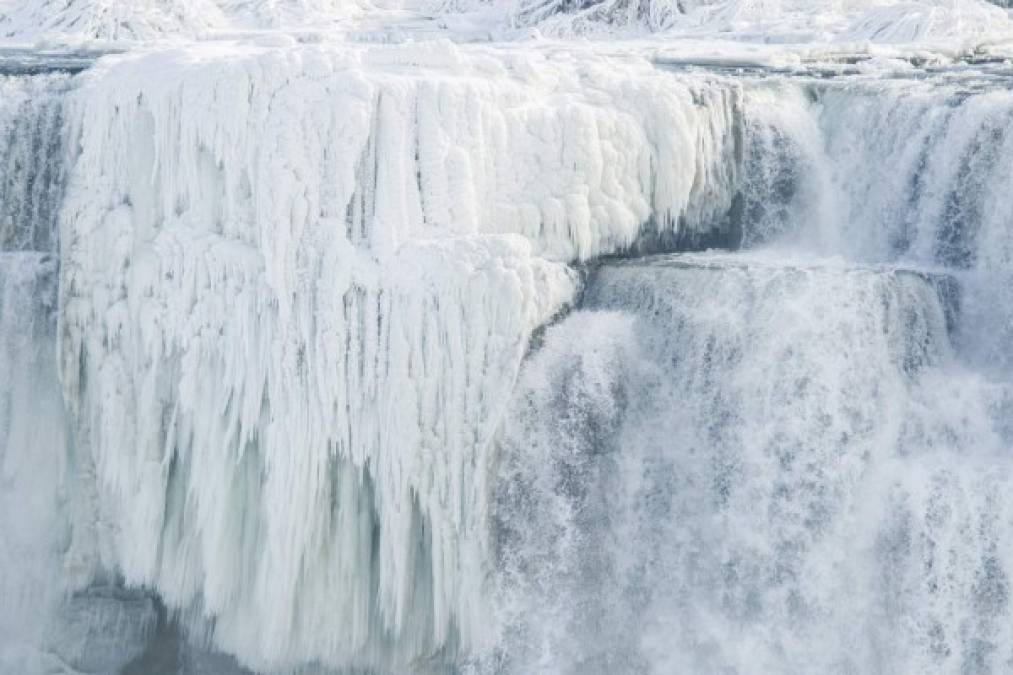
x=928, y=21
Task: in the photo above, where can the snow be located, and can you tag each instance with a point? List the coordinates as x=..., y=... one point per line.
x=783, y=21
x=107, y=19
x=134, y=21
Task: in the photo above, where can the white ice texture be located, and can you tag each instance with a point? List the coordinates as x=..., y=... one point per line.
x=273, y=355
x=288, y=359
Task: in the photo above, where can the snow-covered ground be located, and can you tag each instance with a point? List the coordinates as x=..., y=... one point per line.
x=783, y=21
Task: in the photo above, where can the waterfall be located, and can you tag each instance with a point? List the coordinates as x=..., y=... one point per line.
x=33, y=452
x=445, y=358
x=718, y=446
x=796, y=457
x=55, y=612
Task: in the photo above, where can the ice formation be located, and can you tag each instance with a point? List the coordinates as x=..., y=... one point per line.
x=255, y=331
x=327, y=354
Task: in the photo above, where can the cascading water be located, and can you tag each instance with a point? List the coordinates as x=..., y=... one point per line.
x=775, y=461
x=32, y=434
x=56, y=615
x=789, y=454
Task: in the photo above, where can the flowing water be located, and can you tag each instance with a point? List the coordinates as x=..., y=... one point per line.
x=797, y=457
x=50, y=620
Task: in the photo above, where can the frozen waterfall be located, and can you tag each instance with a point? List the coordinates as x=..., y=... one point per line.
x=464, y=359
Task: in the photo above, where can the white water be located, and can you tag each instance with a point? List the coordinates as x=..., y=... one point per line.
x=736, y=466
x=32, y=435
x=57, y=612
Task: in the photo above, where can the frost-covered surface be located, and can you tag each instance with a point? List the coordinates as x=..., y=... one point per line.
x=281, y=13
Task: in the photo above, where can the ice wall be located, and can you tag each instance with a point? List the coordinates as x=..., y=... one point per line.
x=296, y=288
x=287, y=358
